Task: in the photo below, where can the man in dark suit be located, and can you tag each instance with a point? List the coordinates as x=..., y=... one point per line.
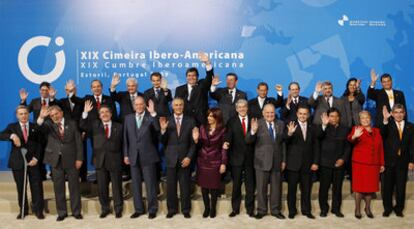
x=159, y=94
x=398, y=138
x=321, y=103
x=107, y=156
x=241, y=157
x=98, y=99
x=269, y=160
x=292, y=102
x=387, y=96
x=302, y=158
x=334, y=152
x=195, y=91
x=141, y=131
x=176, y=135
x=64, y=154
x=228, y=96
x=256, y=105
x=24, y=135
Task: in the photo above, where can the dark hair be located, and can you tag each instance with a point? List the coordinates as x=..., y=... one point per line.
x=105, y=106
x=386, y=75
x=303, y=106
x=157, y=74
x=217, y=115
x=44, y=84
x=96, y=81
x=293, y=83
x=333, y=110
x=232, y=74
x=191, y=70
x=346, y=92
x=263, y=84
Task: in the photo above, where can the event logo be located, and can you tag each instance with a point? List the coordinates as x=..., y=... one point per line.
x=24, y=54
x=342, y=21
x=345, y=20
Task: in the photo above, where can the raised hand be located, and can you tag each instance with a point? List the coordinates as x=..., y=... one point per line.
x=279, y=87
x=385, y=113
x=204, y=58
x=150, y=107
x=44, y=112
x=115, y=80
x=325, y=119
x=291, y=128
x=318, y=87
x=52, y=92
x=163, y=123
x=216, y=80
x=164, y=84
x=358, y=132
x=23, y=94
x=374, y=77
x=254, y=125
x=196, y=134
x=288, y=100
x=226, y=145
x=88, y=106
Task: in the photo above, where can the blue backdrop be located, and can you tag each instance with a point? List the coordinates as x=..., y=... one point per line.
x=261, y=40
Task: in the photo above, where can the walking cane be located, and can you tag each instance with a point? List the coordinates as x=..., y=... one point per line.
x=24, y=152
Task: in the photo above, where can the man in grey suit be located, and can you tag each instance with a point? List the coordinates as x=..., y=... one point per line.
x=321, y=103
x=269, y=160
x=64, y=153
x=141, y=131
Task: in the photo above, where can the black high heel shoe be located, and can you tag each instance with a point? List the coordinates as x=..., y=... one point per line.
x=358, y=215
x=369, y=213
x=206, y=213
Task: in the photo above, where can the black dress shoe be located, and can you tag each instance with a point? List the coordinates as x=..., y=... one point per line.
x=323, y=214
x=170, y=215
x=187, y=215
x=233, y=214
x=78, y=216
x=291, y=216
x=369, y=213
x=358, y=215
x=399, y=214
x=339, y=214
x=152, y=215
x=136, y=215
x=118, y=215
x=259, y=215
x=206, y=213
x=386, y=214
x=19, y=216
x=279, y=215
x=310, y=216
x=40, y=215
x=61, y=217
x=250, y=213
x=103, y=215
x=212, y=213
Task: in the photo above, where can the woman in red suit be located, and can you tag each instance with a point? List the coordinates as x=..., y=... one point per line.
x=367, y=162
x=211, y=159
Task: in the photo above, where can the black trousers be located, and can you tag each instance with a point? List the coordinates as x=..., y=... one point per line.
x=183, y=177
x=36, y=187
x=328, y=177
x=104, y=176
x=394, y=178
x=238, y=173
x=304, y=178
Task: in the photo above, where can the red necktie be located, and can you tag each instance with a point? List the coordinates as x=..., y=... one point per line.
x=244, y=126
x=107, y=131
x=43, y=102
x=61, y=130
x=98, y=103
x=25, y=133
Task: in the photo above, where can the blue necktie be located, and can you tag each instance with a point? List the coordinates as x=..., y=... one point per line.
x=272, y=135
x=139, y=121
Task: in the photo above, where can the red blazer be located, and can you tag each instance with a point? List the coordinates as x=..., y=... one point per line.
x=368, y=148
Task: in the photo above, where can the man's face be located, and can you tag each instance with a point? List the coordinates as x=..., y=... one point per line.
x=131, y=87
x=333, y=118
x=303, y=114
x=231, y=81
x=96, y=88
x=178, y=107
x=398, y=114
x=294, y=90
x=104, y=114
x=262, y=91
x=242, y=109
x=156, y=81
x=269, y=114
x=327, y=90
x=192, y=78
x=139, y=105
x=22, y=115
x=56, y=115
x=44, y=92
x=386, y=83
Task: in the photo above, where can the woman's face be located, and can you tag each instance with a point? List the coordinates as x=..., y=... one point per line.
x=210, y=119
x=365, y=120
x=352, y=86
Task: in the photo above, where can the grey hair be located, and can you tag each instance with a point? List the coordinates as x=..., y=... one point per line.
x=133, y=80
x=241, y=102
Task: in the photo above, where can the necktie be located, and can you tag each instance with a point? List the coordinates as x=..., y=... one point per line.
x=231, y=94
x=303, y=125
x=61, y=130
x=98, y=103
x=43, y=102
x=157, y=92
x=400, y=133
x=71, y=104
x=25, y=136
x=139, y=121
x=327, y=100
x=132, y=100
x=107, y=131
x=178, y=124
x=271, y=133
x=244, y=126
x=295, y=101
x=189, y=92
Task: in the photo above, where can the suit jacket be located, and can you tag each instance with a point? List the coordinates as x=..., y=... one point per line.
x=197, y=106
x=161, y=103
x=106, y=100
x=368, y=148
x=70, y=147
x=107, y=153
x=320, y=106
x=353, y=108
x=140, y=144
x=179, y=147
x=393, y=144
x=75, y=113
x=255, y=111
x=268, y=153
x=288, y=115
x=334, y=145
x=125, y=104
x=301, y=153
x=225, y=101
x=381, y=99
x=33, y=147
x=240, y=152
